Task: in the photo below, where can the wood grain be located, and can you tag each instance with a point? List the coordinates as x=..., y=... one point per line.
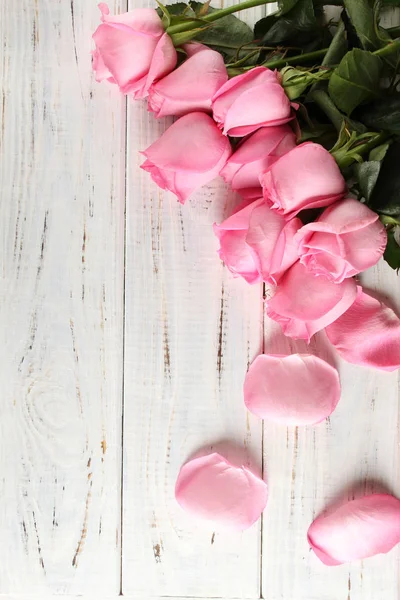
x=191, y=330
x=62, y=212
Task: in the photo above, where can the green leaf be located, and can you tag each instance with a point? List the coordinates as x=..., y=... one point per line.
x=392, y=252
x=379, y=152
x=367, y=176
x=355, y=80
x=226, y=35
x=385, y=198
x=382, y=114
x=297, y=27
x=286, y=5
x=364, y=19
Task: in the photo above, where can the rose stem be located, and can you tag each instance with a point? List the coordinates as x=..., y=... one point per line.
x=217, y=14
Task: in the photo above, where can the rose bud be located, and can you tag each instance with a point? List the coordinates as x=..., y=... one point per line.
x=256, y=243
x=250, y=101
x=346, y=239
x=132, y=50
x=306, y=177
x=255, y=155
x=191, y=86
x=189, y=154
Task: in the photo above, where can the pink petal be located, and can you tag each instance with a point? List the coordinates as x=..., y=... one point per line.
x=346, y=239
x=177, y=160
x=163, y=61
x=306, y=177
x=356, y=530
x=191, y=86
x=182, y=146
x=293, y=390
x=367, y=334
x=117, y=46
x=271, y=239
x=234, y=250
x=212, y=489
x=249, y=101
x=304, y=303
x=264, y=105
x=144, y=20
x=99, y=67
x=255, y=155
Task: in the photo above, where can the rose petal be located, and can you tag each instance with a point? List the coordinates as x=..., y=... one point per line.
x=305, y=177
x=304, y=303
x=367, y=334
x=293, y=390
x=272, y=242
x=346, y=239
x=356, y=530
x=212, y=489
x=163, y=61
x=255, y=155
x=251, y=100
x=191, y=86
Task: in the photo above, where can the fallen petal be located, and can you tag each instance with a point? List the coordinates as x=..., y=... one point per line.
x=356, y=530
x=212, y=489
x=293, y=390
x=367, y=334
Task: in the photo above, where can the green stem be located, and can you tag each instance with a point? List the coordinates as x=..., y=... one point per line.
x=217, y=14
x=322, y=99
x=362, y=149
x=298, y=60
x=308, y=56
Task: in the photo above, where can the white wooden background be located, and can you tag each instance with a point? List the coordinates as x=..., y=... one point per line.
x=124, y=343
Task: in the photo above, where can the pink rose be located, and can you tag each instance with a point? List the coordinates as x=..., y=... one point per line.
x=255, y=155
x=132, y=50
x=257, y=243
x=250, y=101
x=304, y=303
x=189, y=154
x=345, y=240
x=305, y=177
x=191, y=86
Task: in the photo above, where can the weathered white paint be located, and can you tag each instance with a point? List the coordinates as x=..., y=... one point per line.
x=62, y=216
x=190, y=332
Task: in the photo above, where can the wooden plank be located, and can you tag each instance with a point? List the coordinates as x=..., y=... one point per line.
x=62, y=210
x=191, y=330
x=354, y=452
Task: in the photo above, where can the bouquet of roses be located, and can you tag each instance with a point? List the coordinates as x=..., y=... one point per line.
x=301, y=118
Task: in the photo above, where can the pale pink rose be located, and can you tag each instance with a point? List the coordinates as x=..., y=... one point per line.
x=255, y=155
x=249, y=101
x=367, y=334
x=305, y=177
x=256, y=243
x=304, y=303
x=346, y=239
x=356, y=530
x=294, y=389
x=191, y=86
x=132, y=50
x=189, y=154
x=210, y=488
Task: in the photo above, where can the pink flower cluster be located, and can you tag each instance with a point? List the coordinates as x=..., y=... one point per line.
x=239, y=128
x=297, y=230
